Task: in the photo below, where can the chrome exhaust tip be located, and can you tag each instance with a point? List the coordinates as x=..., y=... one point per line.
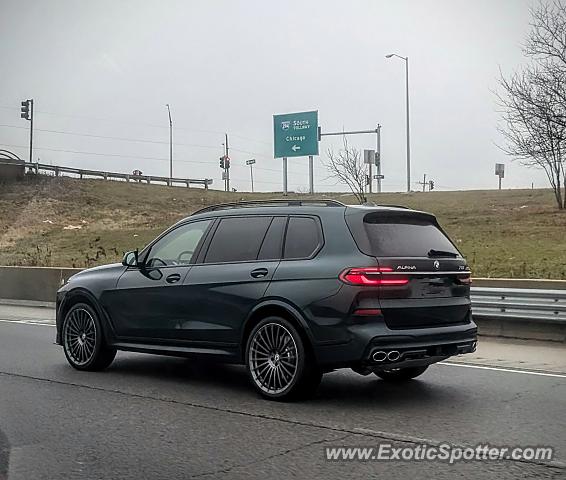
x=379, y=356
x=393, y=355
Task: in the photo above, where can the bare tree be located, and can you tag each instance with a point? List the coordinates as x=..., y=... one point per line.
x=347, y=166
x=533, y=100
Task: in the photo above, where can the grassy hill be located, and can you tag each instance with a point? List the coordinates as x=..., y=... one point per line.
x=68, y=222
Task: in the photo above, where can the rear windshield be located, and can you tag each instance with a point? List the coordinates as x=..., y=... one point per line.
x=398, y=235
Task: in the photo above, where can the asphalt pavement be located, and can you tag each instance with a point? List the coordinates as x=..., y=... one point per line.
x=170, y=418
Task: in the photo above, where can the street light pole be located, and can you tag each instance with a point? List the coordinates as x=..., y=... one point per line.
x=406, y=59
x=170, y=142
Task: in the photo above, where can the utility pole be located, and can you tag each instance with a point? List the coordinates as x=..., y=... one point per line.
x=227, y=164
x=423, y=183
x=27, y=113
x=170, y=143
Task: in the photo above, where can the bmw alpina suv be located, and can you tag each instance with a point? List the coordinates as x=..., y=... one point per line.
x=289, y=288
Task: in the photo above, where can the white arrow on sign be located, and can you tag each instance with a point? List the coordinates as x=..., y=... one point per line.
x=295, y=148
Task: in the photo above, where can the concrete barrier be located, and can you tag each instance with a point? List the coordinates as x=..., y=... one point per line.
x=39, y=284
x=33, y=283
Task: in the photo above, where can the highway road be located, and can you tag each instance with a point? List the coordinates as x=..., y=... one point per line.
x=169, y=418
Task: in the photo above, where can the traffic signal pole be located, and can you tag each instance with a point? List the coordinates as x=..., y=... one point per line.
x=31, y=132
x=27, y=114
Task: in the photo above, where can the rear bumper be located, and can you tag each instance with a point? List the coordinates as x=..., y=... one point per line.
x=420, y=346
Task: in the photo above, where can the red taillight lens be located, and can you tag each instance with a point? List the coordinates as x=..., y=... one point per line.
x=372, y=276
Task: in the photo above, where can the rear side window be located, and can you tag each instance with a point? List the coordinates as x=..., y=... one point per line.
x=303, y=237
x=237, y=239
x=398, y=235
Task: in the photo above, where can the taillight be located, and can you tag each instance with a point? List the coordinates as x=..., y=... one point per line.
x=372, y=276
x=465, y=279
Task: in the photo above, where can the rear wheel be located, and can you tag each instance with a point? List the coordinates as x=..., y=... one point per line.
x=279, y=365
x=400, y=374
x=83, y=340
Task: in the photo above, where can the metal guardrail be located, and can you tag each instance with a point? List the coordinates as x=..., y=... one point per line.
x=36, y=167
x=537, y=305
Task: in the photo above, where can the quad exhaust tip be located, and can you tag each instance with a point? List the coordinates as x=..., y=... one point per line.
x=393, y=355
x=381, y=356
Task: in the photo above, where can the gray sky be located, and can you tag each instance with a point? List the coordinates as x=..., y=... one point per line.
x=108, y=68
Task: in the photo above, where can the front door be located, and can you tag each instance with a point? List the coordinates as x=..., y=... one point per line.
x=150, y=301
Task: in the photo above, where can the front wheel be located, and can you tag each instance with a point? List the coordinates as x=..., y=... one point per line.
x=83, y=341
x=278, y=363
x=400, y=374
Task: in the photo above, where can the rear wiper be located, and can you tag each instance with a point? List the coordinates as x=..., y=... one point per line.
x=441, y=253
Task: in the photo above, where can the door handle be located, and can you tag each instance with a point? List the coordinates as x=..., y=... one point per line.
x=174, y=277
x=259, y=272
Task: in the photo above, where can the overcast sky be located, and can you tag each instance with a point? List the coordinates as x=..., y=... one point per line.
x=107, y=68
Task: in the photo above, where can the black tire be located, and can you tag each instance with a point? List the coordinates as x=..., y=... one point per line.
x=278, y=362
x=400, y=374
x=83, y=339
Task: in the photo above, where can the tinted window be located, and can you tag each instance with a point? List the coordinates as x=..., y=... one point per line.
x=237, y=239
x=178, y=246
x=405, y=236
x=302, y=237
x=273, y=241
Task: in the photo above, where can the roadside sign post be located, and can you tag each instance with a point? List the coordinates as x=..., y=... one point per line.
x=369, y=159
x=500, y=172
x=285, y=176
x=296, y=135
x=251, y=163
x=311, y=175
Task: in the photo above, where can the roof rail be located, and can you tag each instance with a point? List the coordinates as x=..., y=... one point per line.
x=270, y=203
x=373, y=204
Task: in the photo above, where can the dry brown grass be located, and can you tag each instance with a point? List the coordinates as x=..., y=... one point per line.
x=512, y=233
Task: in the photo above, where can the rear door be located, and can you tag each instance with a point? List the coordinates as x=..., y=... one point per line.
x=230, y=276
x=429, y=279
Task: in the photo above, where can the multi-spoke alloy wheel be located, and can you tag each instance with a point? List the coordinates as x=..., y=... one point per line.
x=80, y=336
x=279, y=362
x=83, y=341
x=273, y=359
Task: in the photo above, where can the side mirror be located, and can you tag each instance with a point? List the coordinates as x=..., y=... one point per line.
x=130, y=259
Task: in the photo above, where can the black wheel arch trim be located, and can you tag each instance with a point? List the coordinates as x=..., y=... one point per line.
x=107, y=328
x=289, y=308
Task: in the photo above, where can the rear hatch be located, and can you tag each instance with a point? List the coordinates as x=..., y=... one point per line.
x=425, y=281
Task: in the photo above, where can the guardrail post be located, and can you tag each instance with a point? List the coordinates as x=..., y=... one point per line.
x=56, y=171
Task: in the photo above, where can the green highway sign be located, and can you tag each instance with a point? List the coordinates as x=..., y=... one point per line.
x=295, y=134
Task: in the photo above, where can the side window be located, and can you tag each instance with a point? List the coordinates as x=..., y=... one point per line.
x=303, y=237
x=178, y=246
x=237, y=239
x=273, y=241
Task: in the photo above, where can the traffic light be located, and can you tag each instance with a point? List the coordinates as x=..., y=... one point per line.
x=222, y=162
x=25, y=112
x=431, y=185
x=227, y=162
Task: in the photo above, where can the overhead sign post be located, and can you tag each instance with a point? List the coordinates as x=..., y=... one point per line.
x=296, y=135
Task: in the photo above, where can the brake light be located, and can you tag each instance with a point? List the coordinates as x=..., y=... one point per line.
x=372, y=276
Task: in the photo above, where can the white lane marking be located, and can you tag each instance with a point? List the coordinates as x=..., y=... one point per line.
x=448, y=364
x=30, y=322
x=500, y=369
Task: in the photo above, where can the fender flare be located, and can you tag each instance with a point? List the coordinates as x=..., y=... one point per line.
x=108, y=330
